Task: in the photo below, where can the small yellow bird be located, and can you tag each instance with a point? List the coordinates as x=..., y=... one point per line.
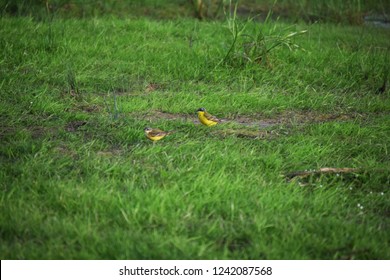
x=155, y=134
x=206, y=118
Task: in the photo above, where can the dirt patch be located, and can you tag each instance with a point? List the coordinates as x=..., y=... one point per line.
x=62, y=150
x=157, y=115
x=74, y=125
x=109, y=153
x=285, y=118
x=34, y=130
x=254, y=121
x=254, y=126
x=153, y=87
x=87, y=108
x=90, y=108
x=37, y=131
x=247, y=133
x=292, y=118
x=6, y=131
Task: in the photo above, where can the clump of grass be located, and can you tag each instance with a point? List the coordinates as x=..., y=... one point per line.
x=113, y=109
x=385, y=74
x=73, y=88
x=250, y=44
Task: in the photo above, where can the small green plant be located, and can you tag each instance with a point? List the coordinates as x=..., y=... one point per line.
x=250, y=44
x=385, y=74
x=73, y=88
x=113, y=109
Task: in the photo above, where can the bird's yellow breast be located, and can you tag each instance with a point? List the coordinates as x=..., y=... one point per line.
x=155, y=138
x=205, y=120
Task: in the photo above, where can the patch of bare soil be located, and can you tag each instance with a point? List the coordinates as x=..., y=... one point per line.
x=74, y=125
x=34, y=130
x=62, y=149
x=254, y=126
x=87, y=108
x=37, y=131
x=153, y=87
x=156, y=115
x=110, y=153
x=291, y=118
x=247, y=133
x=6, y=131
x=286, y=118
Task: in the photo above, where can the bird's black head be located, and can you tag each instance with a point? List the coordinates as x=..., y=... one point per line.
x=146, y=129
x=201, y=110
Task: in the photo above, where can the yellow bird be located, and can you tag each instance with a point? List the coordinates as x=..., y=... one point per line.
x=155, y=134
x=206, y=118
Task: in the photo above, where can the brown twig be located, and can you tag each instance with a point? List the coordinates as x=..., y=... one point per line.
x=324, y=170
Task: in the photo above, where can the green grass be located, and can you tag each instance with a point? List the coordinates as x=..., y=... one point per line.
x=101, y=190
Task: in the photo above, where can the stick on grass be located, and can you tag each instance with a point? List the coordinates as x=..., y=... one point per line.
x=324, y=170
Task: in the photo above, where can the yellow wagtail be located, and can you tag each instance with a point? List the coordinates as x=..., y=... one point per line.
x=206, y=118
x=155, y=134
